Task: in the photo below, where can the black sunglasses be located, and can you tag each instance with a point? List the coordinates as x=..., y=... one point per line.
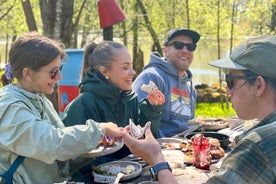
x=180, y=45
x=54, y=73
x=230, y=80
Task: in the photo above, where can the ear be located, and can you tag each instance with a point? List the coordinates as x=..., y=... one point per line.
x=260, y=85
x=27, y=74
x=104, y=71
x=164, y=49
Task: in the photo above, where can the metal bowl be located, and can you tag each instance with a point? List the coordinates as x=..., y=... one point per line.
x=223, y=138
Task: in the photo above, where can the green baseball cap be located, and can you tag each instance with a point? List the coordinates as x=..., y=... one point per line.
x=257, y=54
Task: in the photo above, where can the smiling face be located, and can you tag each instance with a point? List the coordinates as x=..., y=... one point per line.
x=121, y=72
x=41, y=81
x=180, y=59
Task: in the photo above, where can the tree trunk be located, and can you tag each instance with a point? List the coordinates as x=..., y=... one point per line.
x=48, y=17
x=66, y=21
x=28, y=11
x=149, y=27
x=187, y=14
x=273, y=16
x=75, y=26
x=135, y=38
x=57, y=17
x=218, y=41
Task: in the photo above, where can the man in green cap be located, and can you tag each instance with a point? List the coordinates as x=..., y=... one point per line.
x=251, y=82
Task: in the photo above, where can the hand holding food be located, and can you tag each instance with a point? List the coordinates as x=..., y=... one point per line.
x=148, y=148
x=155, y=96
x=137, y=131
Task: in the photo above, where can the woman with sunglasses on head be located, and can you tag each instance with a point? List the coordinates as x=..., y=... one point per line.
x=106, y=95
x=32, y=133
x=173, y=78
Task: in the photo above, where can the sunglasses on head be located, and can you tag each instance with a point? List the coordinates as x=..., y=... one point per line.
x=230, y=80
x=53, y=74
x=180, y=45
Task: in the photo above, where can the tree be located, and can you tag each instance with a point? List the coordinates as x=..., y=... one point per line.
x=29, y=15
x=6, y=12
x=151, y=30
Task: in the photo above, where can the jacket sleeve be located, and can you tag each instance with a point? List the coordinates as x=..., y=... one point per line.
x=151, y=113
x=24, y=133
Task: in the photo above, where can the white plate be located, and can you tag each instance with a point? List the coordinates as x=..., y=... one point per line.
x=165, y=140
x=104, y=150
x=214, y=124
x=118, y=166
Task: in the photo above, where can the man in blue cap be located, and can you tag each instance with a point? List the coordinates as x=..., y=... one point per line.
x=173, y=78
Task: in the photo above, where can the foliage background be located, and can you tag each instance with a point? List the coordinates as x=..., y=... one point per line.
x=249, y=19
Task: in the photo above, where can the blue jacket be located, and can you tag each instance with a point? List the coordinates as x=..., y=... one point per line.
x=180, y=95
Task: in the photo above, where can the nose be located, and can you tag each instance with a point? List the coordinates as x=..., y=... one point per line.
x=133, y=71
x=59, y=75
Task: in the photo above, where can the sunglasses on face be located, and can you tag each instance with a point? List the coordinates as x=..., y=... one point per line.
x=53, y=74
x=180, y=45
x=230, y=80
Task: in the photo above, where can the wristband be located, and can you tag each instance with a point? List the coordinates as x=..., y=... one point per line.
x=158, y=167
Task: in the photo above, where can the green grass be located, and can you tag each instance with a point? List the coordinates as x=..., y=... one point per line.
x=214, y=110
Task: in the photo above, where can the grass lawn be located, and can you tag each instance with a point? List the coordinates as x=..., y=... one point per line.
x=214, y=110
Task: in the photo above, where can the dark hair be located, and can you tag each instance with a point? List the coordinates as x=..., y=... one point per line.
x=4, y=80
x=97, y=55
x=252, y=78
x=33, y=51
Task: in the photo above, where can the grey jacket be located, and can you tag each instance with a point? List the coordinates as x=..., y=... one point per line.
x=29, y=126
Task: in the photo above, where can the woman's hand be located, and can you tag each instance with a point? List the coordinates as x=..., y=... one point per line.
x=112, y=130
x=156, y=98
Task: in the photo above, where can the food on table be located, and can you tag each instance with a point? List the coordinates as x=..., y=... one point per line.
x=129, y=169
x=216, y=150
x=136, y=130
x=110, y=171
x=114, y=169
x=186, y=147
